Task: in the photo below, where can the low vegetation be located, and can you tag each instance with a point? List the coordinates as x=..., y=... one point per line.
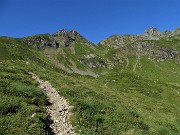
x=121, y=101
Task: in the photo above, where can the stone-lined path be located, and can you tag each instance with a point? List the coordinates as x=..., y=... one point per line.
x=59, y=110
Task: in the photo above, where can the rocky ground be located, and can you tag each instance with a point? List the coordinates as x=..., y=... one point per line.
x=59, y=110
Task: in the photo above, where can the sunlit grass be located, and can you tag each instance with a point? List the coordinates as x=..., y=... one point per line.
x=120, y=101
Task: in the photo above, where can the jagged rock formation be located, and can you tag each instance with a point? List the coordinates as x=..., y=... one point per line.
x=144, y=44
x=93, y=61
x=149, y=34
x=152, y=34
x=59, y=110
x=59, y=38
x=40, y=41
x=67, y=44
x=65, y=38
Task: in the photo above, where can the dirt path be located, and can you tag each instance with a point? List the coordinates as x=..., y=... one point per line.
x=127, y=61
x=59, y=110
x=137, y=62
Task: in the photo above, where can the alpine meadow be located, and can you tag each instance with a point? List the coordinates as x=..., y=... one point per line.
x=62, y=83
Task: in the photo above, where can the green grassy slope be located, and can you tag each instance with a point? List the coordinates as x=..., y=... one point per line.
x=120, y=103
x=144, y=101
x=20, y=99
x=20, y=96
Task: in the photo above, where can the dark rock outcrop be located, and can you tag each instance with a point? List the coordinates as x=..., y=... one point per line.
x=66, y=38
x=60, y=38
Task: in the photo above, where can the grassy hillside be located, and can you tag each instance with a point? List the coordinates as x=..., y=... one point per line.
x=139, y=96
x=20, y=96
x=20, y=99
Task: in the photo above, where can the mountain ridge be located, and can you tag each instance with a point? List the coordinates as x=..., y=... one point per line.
x=67, y=37
x=68, y=50
x=124, y=85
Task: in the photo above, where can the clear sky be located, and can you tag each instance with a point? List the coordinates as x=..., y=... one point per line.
x=94, y=19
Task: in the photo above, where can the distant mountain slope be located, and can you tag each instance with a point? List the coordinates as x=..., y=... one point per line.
x=124, y=85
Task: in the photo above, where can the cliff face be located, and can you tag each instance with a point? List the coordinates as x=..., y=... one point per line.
x=59, y=38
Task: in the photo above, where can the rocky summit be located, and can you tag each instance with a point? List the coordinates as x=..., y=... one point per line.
x=66, y=38
x=63, y=84
x=62, y=37
x=151, y=32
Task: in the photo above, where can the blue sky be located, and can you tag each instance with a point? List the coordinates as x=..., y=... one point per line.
x=94, y=19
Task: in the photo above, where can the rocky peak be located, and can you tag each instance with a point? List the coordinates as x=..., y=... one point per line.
x=151, y=32
x=61, y=33
x=74, y=34
x=66, y=38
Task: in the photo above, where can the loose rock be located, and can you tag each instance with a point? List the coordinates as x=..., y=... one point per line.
x=59, y=110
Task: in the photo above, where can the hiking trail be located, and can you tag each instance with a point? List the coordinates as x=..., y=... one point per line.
x=59, y=110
